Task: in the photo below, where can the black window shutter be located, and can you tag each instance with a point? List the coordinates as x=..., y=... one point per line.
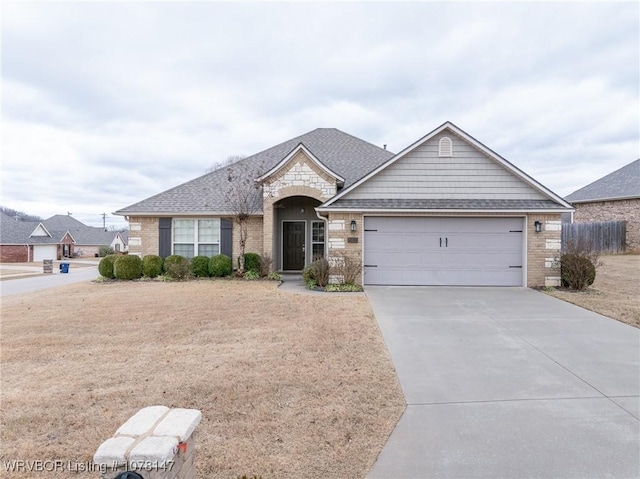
x=226, y=236
x=164, y=237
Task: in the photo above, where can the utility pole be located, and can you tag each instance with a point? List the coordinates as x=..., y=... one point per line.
x=104, y=221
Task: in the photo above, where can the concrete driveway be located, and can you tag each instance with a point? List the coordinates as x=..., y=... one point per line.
x=508, y=383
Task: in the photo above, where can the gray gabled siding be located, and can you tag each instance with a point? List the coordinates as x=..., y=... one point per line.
x=467, y=174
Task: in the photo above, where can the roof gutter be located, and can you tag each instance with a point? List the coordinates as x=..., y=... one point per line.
x=484, y=211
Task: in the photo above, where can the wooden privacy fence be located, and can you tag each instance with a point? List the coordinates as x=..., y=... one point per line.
x=597, y=237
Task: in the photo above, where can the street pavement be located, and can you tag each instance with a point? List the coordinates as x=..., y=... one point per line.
x=34, y=280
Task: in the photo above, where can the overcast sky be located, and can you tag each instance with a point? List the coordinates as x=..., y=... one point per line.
x=105, y=104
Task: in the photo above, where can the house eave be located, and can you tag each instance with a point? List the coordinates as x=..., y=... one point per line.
x=442, y=210
x=300, y=147
x=171, y=214
x=597, y=200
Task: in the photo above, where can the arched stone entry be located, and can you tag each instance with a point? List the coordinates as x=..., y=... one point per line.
x=298, y=233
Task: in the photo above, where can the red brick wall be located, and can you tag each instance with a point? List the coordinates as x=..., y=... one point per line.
x=14, y=254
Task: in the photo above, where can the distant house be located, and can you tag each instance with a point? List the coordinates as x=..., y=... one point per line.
x=60, y=236
x=447, y=210
x=614, y=197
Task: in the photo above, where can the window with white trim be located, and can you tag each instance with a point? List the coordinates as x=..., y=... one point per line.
x=445, y=147
x=198, y=237
x=317, y=239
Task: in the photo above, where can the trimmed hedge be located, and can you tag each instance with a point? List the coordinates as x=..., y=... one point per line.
x=200, y=266
x=152, y=265
x=127, y=267
x=252, y=262
x=105, y=267
x=220, y=266
x=177, y=267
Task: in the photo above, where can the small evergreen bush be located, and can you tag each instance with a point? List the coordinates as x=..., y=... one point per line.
x=177, y=267
x=105, y=267
x=127, y=267
x=152, y=265
x=200, y=266
x=220, y=266
x=577, y=271
x=252, y=262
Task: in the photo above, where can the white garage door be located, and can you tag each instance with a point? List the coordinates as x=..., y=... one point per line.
x=45, y=251
x=443, y=251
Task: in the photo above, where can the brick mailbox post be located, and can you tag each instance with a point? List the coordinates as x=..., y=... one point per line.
x=156, y=443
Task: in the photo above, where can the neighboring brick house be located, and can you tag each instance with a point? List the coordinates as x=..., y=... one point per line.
x=54, y=238
x=614, y=197
x=446, y=210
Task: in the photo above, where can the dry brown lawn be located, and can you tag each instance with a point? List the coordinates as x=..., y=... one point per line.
x=289, y=385
x=615, y=292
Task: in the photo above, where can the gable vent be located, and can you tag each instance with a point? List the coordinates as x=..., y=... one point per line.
x=445, y=147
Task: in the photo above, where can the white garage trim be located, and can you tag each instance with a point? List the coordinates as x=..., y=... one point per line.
x=444, y=250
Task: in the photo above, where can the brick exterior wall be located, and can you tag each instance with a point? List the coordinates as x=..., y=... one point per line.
x=144, y=236
x=543, y=250
x=254, y=243
x=15, y=254
x=341, y=241
x=627, y=210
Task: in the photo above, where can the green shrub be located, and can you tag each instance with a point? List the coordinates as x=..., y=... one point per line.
x=251, y=262
x=177, y=267
x=308, y=274
x=200, y=266
x=104, y=251
x=220, y=266
x=127, y=267
x=251, y=274
x=577, y=271
x=274, y=276
x=344, y=288
x=152, y=265
x=105, y=267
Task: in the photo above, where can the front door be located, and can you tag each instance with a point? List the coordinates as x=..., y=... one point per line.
x=293, y=245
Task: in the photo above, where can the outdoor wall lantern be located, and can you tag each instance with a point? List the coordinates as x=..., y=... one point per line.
x=353, y=225
x=538, y=226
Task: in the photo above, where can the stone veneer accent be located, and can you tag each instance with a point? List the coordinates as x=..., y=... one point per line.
x=338, y=234
x=156, y=442
x=619, y=210
x=543, y=250
x=299, y=176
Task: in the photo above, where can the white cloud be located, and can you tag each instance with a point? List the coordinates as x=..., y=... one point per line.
x=117, y=101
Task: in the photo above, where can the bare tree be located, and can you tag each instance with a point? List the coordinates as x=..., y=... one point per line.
x=223, y=164
x=243, y=198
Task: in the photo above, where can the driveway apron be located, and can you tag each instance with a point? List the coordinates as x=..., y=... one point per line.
x=508, y=383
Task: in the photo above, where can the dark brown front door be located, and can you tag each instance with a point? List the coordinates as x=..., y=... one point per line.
x=293, y=245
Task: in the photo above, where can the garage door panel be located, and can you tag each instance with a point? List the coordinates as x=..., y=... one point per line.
x=443, y=251
x=41, y=252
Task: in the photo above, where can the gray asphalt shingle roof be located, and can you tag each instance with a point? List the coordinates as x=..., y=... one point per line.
x=346, y=155
x=622, y=183
x=18, y=232
x=13, y=231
